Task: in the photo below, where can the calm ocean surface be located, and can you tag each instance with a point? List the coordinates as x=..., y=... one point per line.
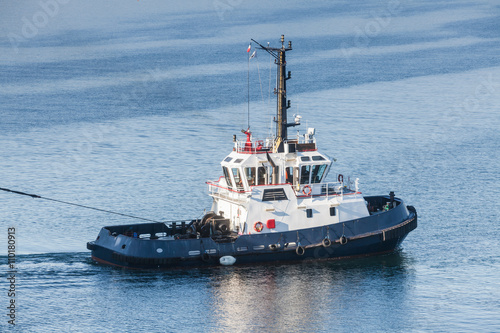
x=131, y=105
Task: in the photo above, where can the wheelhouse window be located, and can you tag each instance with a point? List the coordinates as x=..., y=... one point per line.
x=304, y=174
x=237, y=178
x=261, y=173
x=289, y=175
x=317, y=173
x=250, y=175
x=226, y=176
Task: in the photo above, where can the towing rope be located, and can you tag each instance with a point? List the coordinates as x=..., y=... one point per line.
x=35, y=196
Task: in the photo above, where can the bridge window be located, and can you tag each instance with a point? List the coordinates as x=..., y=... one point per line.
x=250, y=174
x=317, y=173
x=226, y=176
x=304, y=174
x=261, y=171
x=289, y=175
x=237, y=178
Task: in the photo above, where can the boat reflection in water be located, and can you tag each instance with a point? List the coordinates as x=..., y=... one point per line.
x=313, y=296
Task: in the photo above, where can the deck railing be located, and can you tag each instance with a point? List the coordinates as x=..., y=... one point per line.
x=327, y=189
x=262, y=146
x=254, y=147
x=216, y=189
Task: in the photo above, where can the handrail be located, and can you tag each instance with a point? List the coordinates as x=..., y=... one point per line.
x=259, y=146
x=212, y=183
x=325, y=185
x=254, y=147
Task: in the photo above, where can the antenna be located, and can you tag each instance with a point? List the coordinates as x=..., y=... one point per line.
x=248, y=90
x=283, y=104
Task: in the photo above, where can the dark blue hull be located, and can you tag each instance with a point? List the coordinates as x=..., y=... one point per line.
x=379, y=233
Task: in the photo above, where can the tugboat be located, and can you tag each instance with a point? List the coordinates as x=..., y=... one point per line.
x=271, y=204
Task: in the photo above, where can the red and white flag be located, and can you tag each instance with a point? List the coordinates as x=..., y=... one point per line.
x=249, y=47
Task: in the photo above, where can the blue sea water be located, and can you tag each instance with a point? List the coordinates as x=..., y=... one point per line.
x=130, y=106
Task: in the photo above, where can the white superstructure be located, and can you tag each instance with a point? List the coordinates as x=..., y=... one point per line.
x=282, y=191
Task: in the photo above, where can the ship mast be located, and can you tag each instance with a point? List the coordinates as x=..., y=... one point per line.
x=280, y=91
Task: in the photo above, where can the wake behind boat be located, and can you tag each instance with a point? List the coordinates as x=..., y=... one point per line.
x=271, y=203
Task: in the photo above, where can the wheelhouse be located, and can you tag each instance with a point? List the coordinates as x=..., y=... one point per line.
x=242, y=169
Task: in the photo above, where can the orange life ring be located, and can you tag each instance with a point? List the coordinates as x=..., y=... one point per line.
x=258, y=226
x=341, y=178
x=309, y=190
